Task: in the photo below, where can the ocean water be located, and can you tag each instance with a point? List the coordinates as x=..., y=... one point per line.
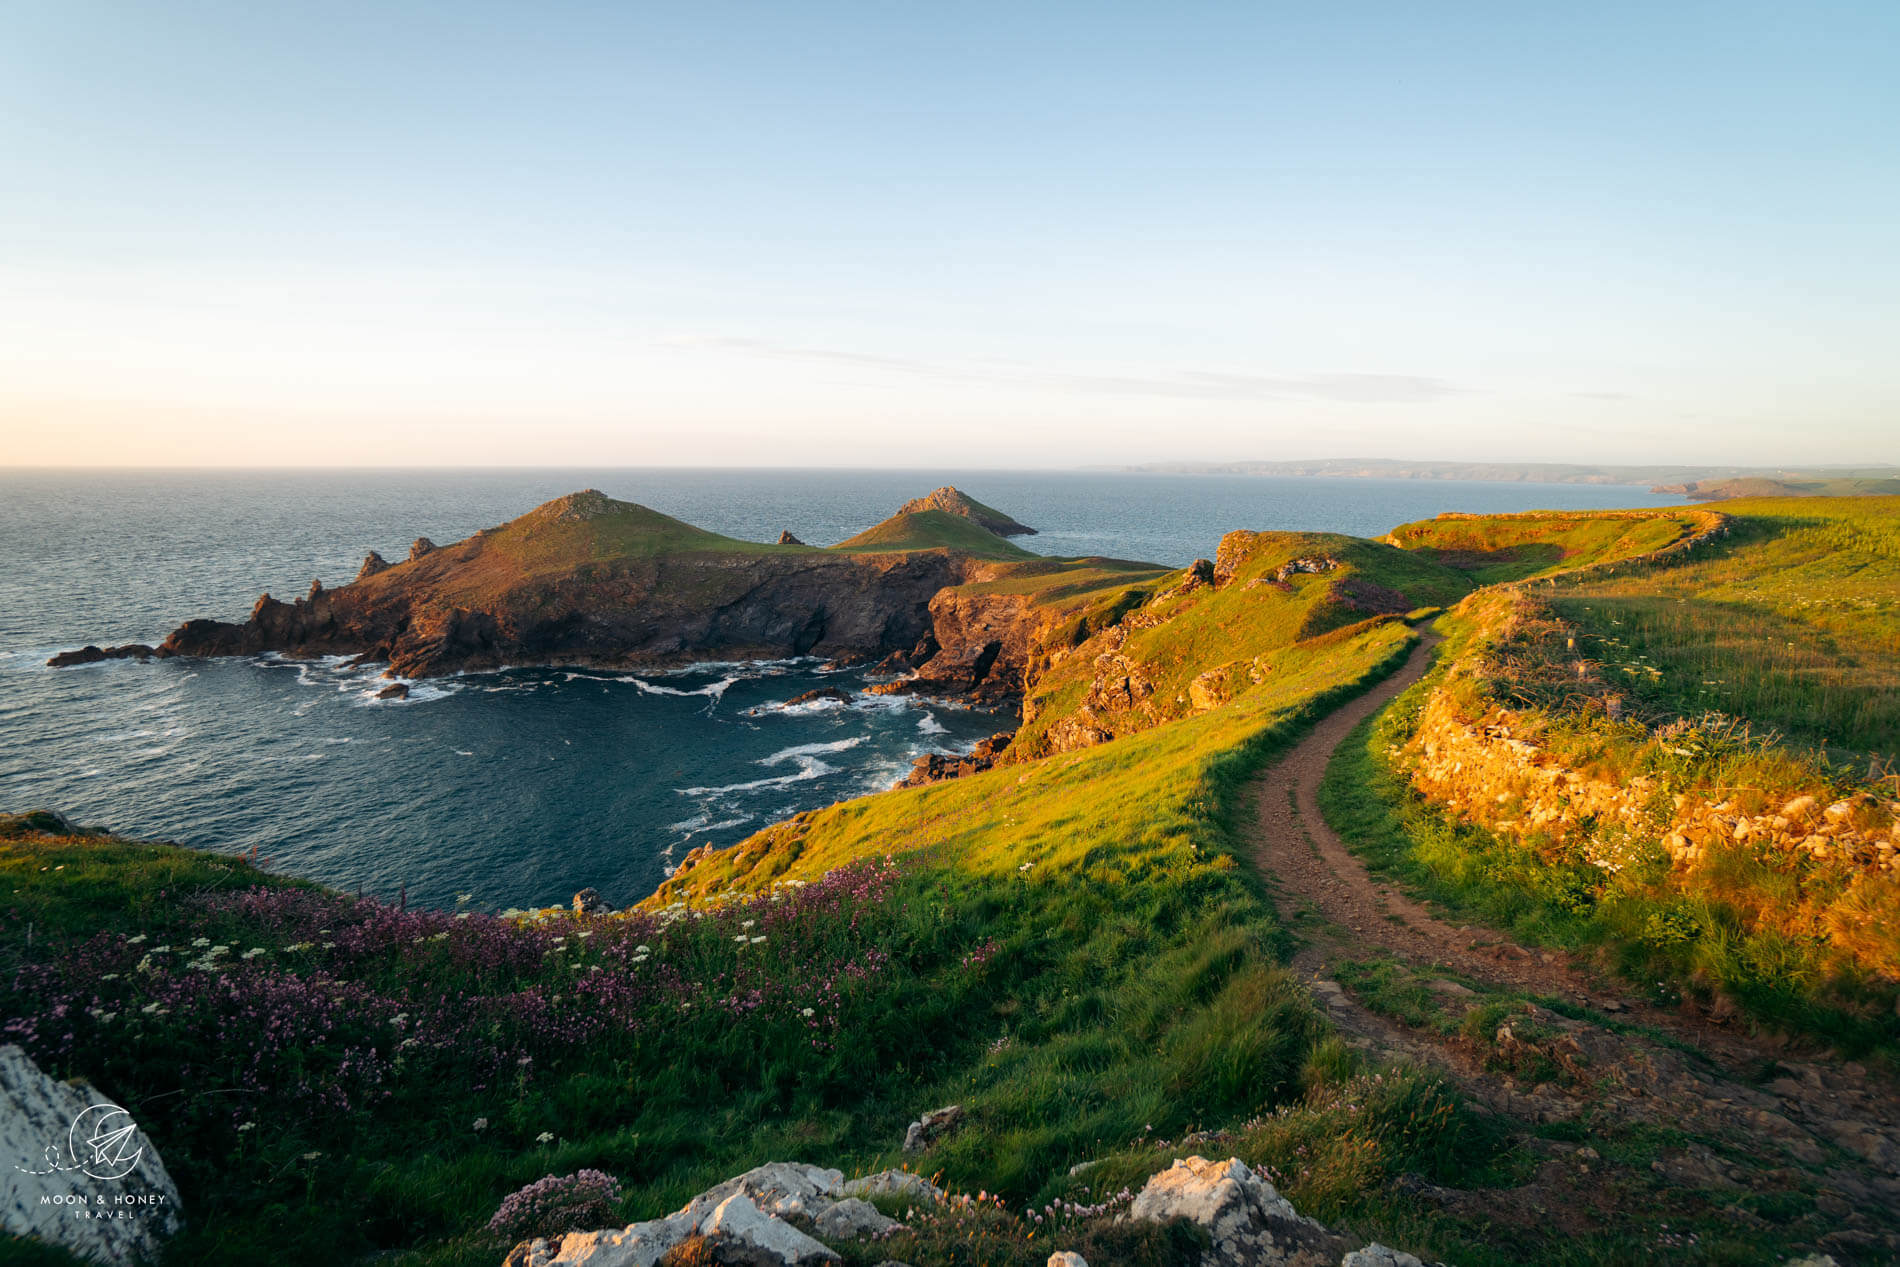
x=521, y=786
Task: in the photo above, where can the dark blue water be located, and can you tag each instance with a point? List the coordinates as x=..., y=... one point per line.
x=521, y=786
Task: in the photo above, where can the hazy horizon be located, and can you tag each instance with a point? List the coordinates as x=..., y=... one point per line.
x=1029, y=238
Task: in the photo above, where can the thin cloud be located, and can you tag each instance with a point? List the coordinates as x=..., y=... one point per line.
x=1382, y=389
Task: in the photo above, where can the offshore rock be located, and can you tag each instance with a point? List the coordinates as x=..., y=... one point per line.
x=93, y=655
x=71, y=1151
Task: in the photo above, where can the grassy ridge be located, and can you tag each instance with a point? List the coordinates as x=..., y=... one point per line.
x=1793, y=623
x=1245, y=630
x=1501, y=548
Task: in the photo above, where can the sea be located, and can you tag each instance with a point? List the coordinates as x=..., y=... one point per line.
x=517, y=787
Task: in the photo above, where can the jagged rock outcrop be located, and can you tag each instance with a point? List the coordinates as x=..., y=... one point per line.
x=79, y=1173
x=935, y=767
x=954, y=501
x=742, y=1221
x=931, y=1127
x=819, y=695
x=785, y=538
x=93, y=655
x=372, y=564
x=422, y=546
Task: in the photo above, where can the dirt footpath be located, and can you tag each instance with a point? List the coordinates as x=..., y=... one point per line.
x=1761, y=1114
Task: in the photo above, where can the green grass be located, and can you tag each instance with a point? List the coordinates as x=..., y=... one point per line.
x=932, y=530
x=1792, y=622
x=1502, y=548
x=1244, y=631
x=1662, y=939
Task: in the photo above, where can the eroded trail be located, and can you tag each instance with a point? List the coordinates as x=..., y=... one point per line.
x=1760, y=1117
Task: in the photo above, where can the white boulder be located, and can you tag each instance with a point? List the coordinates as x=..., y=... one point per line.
x=852, y=1220
x=1248, y=1221
x=895, y=1183
x=78, y=1171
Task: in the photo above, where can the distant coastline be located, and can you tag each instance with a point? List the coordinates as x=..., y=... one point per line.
x=1699, y=482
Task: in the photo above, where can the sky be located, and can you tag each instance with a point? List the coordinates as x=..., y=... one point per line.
x=1008, y=235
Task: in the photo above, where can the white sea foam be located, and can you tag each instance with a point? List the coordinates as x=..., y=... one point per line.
x=810, y=750
x=712, y=690
x=929, y=724
x=808, y=768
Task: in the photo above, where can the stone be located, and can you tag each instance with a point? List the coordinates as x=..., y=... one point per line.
x=421, y=547
x=1451, y=989
x=588, y=902
x=822, y=693
x=778, y=1188
x=1066, y=1258
x=1377, y=1255
x=853, y=1219
x=745, y=1236
x=41, y=822
x=71, y=1151
x=739, y=1218
x=1247, y=1220
x=372, y=564
x=932, y=1125
x=395, y=690
x=636, y=1245
x=786, y=538
x=895, y=1183
x=90, y=654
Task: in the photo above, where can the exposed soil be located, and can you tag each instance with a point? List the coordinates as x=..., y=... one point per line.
x=1755, y=1114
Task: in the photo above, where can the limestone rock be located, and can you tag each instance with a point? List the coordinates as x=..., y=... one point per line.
x=853, y=1219
x=1377, y=1255
x=928, y=1128
x=777, y=1188
x=1249, y=1222
x=895, y=1183
x=69, y=1146
x=636, y=1245
x=745, y=1236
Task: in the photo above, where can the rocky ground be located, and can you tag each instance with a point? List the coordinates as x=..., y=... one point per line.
x=1732, y=1122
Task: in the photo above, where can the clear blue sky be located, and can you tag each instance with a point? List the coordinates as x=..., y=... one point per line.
x=1012, y=234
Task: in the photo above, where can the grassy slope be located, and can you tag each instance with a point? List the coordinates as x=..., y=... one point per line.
x=1788, y=625
x=1494, y=548
x=932, y=530
x=1793, y=623
x=1204, y=628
